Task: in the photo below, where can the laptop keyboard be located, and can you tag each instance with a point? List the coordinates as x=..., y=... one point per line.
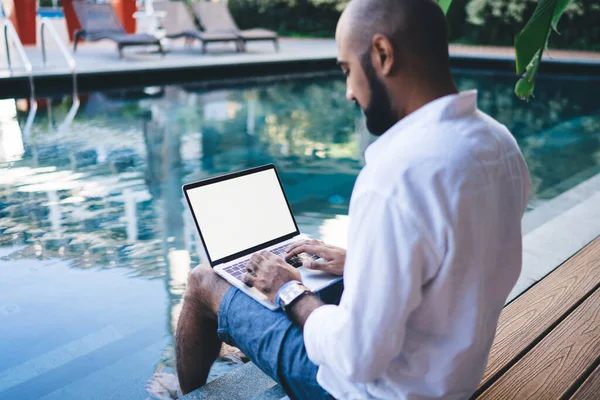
x=238, y=269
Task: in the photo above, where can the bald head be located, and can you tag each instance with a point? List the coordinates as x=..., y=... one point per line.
x=415, y=27
x=394, y=54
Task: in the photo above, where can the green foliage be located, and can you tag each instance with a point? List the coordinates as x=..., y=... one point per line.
x=337, y=4
x=495, y=22
x=445, y=5
x=485, y=22
x=288, y=17
x=561, y=7
x=531, y=42
x=492, y=22
x=535, y=34
x=526, y=84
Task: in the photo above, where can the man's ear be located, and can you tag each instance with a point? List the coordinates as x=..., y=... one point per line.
x=383, y=56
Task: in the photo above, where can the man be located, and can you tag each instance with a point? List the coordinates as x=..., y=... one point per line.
x=434, y=244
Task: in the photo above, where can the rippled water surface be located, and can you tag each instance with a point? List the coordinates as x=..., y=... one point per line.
x=96, y=242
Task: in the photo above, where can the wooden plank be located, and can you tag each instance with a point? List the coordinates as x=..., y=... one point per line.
x=562, y=357
x=590, y=389
x=534, y=313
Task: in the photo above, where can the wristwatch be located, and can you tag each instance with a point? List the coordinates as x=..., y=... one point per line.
x=290, y=292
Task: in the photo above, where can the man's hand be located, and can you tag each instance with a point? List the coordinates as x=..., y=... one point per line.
x=268, y=272
x=334, y=257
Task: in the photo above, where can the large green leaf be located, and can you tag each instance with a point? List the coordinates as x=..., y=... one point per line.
x=445, y=5
x=533, y=37
x=558, y=12
x=533, y=40
x=526, y=84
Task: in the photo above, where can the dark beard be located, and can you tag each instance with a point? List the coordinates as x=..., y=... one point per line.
x=379, y=113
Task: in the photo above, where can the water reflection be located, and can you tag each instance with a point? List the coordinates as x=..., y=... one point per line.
x=107, y=194
x=11, y=138
x=558, y=132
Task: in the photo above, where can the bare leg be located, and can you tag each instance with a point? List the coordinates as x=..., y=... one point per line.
x=197, y=343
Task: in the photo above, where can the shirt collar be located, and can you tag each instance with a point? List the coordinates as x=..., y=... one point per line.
x=446, y=107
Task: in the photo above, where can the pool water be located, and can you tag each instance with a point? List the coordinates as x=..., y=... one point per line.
x=95, y=239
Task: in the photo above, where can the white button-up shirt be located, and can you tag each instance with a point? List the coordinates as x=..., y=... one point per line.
x=434, y=248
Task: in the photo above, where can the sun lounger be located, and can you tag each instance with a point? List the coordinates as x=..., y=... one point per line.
x=215, y=17
x=179, y=23
x=100, y=22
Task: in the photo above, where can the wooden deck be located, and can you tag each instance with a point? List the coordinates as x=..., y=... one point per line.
x=547, y=343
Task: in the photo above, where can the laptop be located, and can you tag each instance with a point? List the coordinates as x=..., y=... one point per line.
x=242, y=213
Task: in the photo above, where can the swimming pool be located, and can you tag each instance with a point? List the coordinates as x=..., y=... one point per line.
x=95, y=240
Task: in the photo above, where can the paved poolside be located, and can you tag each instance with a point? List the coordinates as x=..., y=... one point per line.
x=102, y=58
x=552, y=55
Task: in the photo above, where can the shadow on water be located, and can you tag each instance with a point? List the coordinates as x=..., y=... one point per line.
x=85, y=208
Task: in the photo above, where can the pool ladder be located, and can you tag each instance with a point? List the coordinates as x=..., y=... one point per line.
x=10, y=34
x=47, y=24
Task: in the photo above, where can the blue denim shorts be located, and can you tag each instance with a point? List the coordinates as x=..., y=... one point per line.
x=272, y=342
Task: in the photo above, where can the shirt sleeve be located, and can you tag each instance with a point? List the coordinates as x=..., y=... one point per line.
x=387, y=260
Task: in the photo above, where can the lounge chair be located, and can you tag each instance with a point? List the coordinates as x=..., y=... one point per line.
x=99, y=22
x=179, y=23
x=215, y=17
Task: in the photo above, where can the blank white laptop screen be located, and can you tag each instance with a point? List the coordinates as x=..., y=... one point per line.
x=239, y=213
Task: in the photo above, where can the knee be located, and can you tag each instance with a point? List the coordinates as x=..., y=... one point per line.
x=199, y=281
x=205, y=290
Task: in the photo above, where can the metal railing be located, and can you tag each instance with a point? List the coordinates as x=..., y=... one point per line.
x=46, y=23
x=10, y=35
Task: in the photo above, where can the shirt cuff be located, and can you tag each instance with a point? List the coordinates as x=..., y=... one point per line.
x=314, y=333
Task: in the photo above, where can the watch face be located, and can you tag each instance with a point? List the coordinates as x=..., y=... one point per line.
x=291, y=293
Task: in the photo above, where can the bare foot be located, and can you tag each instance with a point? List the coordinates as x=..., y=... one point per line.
x=163, y=386
x=232, y=354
